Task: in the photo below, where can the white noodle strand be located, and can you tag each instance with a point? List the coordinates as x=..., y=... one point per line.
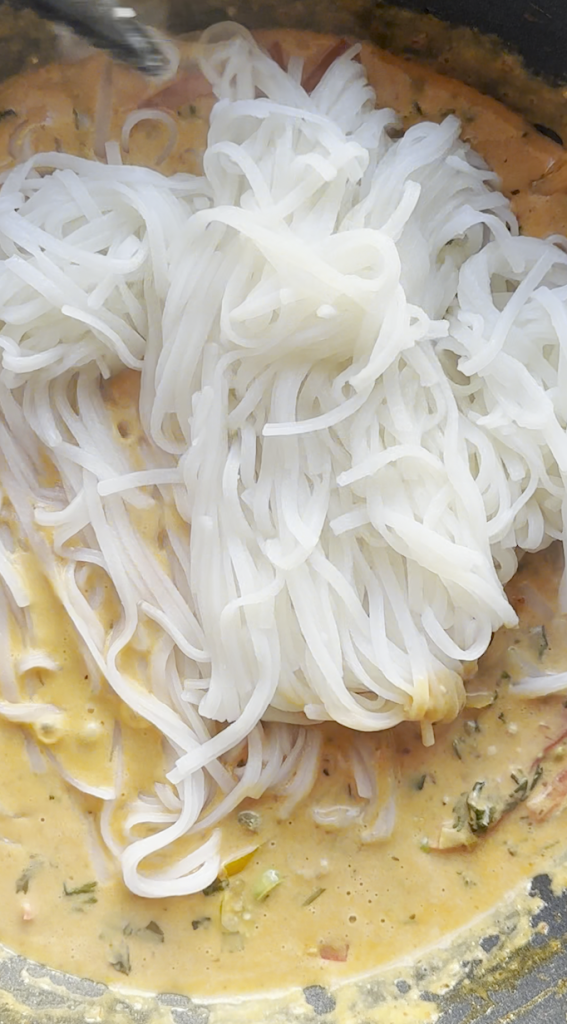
x=352, y=402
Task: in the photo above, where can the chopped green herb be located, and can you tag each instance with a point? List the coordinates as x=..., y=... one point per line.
x=538, y=772
x=524, y=786
x=481, y=814
x=23, y=882
x=154, y=929
x=460, y=813
x=420, y=782
x=471, y=726
x=521, y=788
x=425, y=846
x=80, y=890
x=543, y=643
x=267, y=882
x=250, y=820
x=150, y=930
x=217, y=886
x=457, y=749
x=120, y=959
x=187, y=110
x=474, y=811
x=502, y=717
x=417, y=108
x=312, y=897
x=505, y=676
x=200, y=922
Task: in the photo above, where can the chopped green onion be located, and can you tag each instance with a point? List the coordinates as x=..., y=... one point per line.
x=538, y=772
x=217, y=886
x=543, y=643
x=266, y=883
x=23, y=882
x=120, y=959
x=250, y=820
x=481, y=814
x=312, y=897
x=80, y=889
x=154, y=929
x=524, y=786
x=521, y=790
x=471, y=726
x=200, y=922
x=460, y=813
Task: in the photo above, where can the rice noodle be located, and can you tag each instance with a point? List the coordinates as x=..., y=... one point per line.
x=28, y=711
x=384, y=824
x=148, y=114
x=103, y=112
x=353, y=386
x=19, y=146
x=541, y=685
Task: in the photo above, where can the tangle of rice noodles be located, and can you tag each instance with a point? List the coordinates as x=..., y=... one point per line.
x=354, y=397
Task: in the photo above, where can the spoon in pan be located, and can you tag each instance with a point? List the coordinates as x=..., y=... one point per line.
x=108, y=26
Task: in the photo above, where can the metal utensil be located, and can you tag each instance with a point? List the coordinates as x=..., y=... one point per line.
x=107, y=26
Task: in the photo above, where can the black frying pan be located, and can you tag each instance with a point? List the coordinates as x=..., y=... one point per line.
x=537, y=29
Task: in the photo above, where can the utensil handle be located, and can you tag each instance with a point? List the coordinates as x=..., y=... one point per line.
x=107, y=26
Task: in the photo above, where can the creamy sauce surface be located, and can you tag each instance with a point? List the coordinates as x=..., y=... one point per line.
x=343, y=906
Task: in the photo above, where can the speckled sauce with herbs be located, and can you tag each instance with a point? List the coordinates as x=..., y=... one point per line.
x=306, y=897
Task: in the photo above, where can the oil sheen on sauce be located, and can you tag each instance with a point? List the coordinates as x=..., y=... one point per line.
x=477, y=814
